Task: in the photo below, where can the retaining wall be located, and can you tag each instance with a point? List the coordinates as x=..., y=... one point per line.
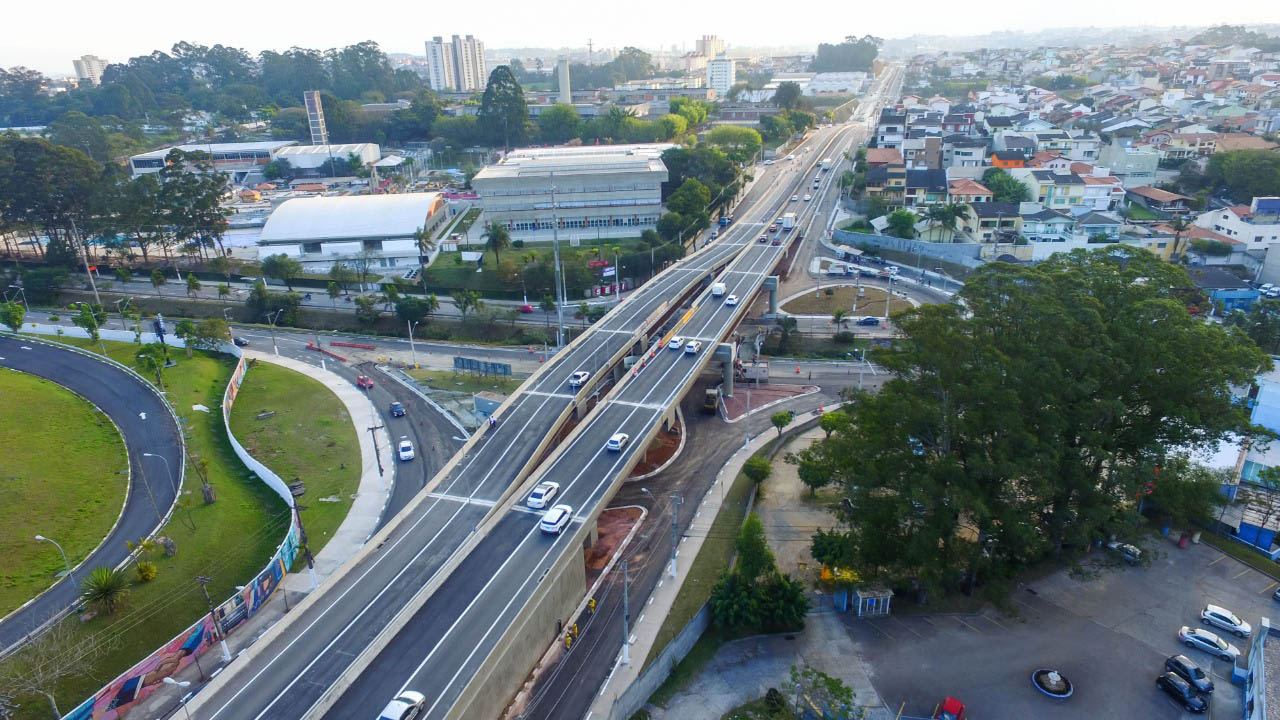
x=966, y=254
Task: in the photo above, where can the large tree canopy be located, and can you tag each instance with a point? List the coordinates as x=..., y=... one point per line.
x=852, y=54
x=1026, y=422
x=503, y=115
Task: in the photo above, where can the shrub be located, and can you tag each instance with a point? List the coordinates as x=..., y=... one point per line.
x=106, y=589
x=146, y=571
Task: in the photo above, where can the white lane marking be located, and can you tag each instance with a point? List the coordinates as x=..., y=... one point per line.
x=142, y=415
x=461, y=499
x=26, y=347
x=548, y=394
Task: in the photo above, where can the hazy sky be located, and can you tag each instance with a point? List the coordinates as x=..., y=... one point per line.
x=119, y=30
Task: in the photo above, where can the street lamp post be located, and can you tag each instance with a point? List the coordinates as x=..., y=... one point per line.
x=22, y=291
x=64, y=556
x=271, y=317
x=226, y=317
x=120, y=311
x=167, y=470
x=181, y=685
x=412, y=349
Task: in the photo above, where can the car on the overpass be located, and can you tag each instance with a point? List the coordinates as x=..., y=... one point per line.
x=407, y=706
x=364, y=382
x=579, y=378
x=404, y=450
x=764, y=238
x=777, y=241
x=617, y=441
x=240, y=342
x=675, y=343
x=542, y=494
x=693, y=347
x=795, y=198
x=556, y=519
x=397, y=409
x=808, y=197
x=731, y=301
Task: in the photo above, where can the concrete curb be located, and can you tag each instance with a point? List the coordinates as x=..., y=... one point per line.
x=766, y=406
x=395, y=374
x=683, y=436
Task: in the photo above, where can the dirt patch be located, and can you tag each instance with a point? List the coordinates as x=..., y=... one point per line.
x=612, y=526
x=736, y=406
x=661, y=449
x=791, y=514
x=869, y=302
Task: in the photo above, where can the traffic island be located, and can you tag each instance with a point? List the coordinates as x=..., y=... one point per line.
x=763, y=397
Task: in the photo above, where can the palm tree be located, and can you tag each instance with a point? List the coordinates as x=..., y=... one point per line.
x=106, y=589
x=425, y=242
x=948, y=216
x=1178, y=225
x=499, y=238
x=548, y=306
x=839, y=317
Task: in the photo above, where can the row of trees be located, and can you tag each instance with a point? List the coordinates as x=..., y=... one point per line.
x=853, y=54
x=1241, y=175
x=1024, y=424
x=226, y=81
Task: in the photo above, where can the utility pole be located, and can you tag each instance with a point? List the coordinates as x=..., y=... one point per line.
x=411, y=347
x=272, y=318
x=555, y=249
x=626, y=615
x=75, y=234
x=675, y=530
x=204, y=582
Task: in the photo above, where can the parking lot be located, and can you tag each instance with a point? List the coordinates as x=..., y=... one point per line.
x=1108, y=635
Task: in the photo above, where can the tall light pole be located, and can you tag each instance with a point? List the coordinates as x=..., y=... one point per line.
x=226, y=652
x=120, y=311
x=167, y=470
x=272, y=318
x=412, y=350
x=555, y=250
x=22, y=291
x=64, y=556
x=676, y=499
x=181, y=685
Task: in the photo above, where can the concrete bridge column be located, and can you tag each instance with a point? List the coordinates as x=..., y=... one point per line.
x=771, y=284
x=725, y=353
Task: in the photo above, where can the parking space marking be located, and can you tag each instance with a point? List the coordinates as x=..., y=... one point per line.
x=908, y=627
x=1271, y=588
x=1242, y=572
x=922, y=617
x=1217, y=560
x=962, y=622
x=880, y=630
x=993, y=622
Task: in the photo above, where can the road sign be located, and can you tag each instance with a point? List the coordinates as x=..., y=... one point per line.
x=481, y=366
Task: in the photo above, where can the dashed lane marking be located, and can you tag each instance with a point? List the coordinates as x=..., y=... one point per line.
x=461, y=499
x=962, y=622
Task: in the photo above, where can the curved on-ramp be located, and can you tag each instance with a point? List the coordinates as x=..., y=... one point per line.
x=146, y=424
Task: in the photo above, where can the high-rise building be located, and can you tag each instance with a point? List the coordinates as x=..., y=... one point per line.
x=89, y=69
x=456, y=65
x=562, y=73
x=720, y=74
x=710, y=46
x=315, y=117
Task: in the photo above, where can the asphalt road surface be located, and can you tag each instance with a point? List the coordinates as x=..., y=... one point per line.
x=147, y=426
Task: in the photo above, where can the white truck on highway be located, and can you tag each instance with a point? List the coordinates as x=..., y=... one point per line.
x=718, y=290
x=788, y=221
x=826, y=164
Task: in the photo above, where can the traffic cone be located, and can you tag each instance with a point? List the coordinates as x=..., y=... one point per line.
x=797, y=369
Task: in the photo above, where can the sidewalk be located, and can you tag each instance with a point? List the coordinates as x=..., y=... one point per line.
x=374, y=489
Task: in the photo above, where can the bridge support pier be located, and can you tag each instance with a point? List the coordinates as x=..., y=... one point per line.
x=771, y=284
x=725, y=353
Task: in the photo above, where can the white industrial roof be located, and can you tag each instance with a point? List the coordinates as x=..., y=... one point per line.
x=269, y=146
x=588, y=160
x=340, y=151
x=348, y=217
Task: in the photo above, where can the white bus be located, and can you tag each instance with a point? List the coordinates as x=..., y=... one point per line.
x=826, y=164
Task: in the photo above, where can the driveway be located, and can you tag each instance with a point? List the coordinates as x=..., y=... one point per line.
x=1109, y=635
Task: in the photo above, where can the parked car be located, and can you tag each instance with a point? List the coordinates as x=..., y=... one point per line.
x=240, y=342
x=1185, y=668
x=1129, y=553
x=1182, y=692
x=407, y=706
x=869, y=321
x=675, y=343
x=1225, y=619
x=731, y=301
x=364, y=382
x=405, y=448
x=542, y=494
x=949, y=709
x=579, y=378
x=693, y=347
x=556, y=519
x=617, y=441
x=397, y=409
x=1208, y=642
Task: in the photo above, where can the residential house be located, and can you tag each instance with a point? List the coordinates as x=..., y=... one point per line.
x=1057, y=191
x=993, y=222
x=961, y=151
x=1094, y=224
x=1008, y=159
x=891, y=130
x=925, y=187
x=887, y=182
x=1256, y=224
x=1134, y=165
x=879, y=157
x=1084, y=147
x=1227, y=291
x=1159, y=201
x=993, y=124
x=1242, y=141
x=1056, y=141
x=967, y=192
x=922, y=153
x=957, y=124
x=1102, y=192
x=1040, y=224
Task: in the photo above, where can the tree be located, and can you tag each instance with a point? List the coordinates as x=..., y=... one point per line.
x=1189, y=493
x=1178, y=225
x=193, y=284
x=755, y=559
x=184, y=330
x=342, y=274
x=1261, y=323
x=157, y=279
x=948, y=216
x=851, y=55
x=814, y=473
x=414, y=309
x=499, y=238
x=902, y=223
x=1244, y=174
x=151, y=358
x=1004, y=187
x=1019, y=422
x=740, y=143
x=735, y=602
x=76, y=130
x=223, y=291
x=839, y=318
x=282, y=268
x=123, y=275
x=503, y=114
x=787, y=328
x=757, y=469
x=41, y=666
x=813, y=692
x=832, y=421
x=13, y=314
x=783, y=604
x=106, y=589
x=367, y=310
x=466, y=301
x=90, y=318
x=559, y=124
x=788, y=95
x=781, y=420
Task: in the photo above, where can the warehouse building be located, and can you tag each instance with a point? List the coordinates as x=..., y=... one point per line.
x=235, y=159
x=308, y=159
x=379, y=229
x=599, y=191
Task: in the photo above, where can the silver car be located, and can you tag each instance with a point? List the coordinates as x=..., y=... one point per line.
x=1208, y=642
x=1225, y=619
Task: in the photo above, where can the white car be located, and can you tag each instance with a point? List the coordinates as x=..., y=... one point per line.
x=1225, y=619
x=675, y=343
x=617, y=442
x=807, y=198
x=542, y=494
x=1208, y=642
x=556, y=519
x=1131, y=554
x=768, y=162
x=731, y=300
x=407, y=706
x=405, y=448
x=795, y=198
x=693, y=347
x=579, y=378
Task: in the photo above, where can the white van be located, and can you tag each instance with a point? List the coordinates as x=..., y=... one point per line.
x=718, y=289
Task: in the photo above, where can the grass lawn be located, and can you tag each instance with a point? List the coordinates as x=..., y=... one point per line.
x=1138, y=212
x=65, y=473
x=310, y=438
x=1241, y=552
x=870, y=302
x=712, y=559
x=230, y=543
x=465, y=382
x=466, y=221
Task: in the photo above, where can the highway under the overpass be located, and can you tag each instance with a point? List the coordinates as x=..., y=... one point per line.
x=449, y=639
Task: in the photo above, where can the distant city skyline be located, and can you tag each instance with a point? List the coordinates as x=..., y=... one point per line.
x=151, y=25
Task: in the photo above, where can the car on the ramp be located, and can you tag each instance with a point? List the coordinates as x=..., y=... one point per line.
x=556, y=519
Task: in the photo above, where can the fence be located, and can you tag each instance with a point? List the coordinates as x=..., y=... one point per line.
x=637, y=694
x=144, y=678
